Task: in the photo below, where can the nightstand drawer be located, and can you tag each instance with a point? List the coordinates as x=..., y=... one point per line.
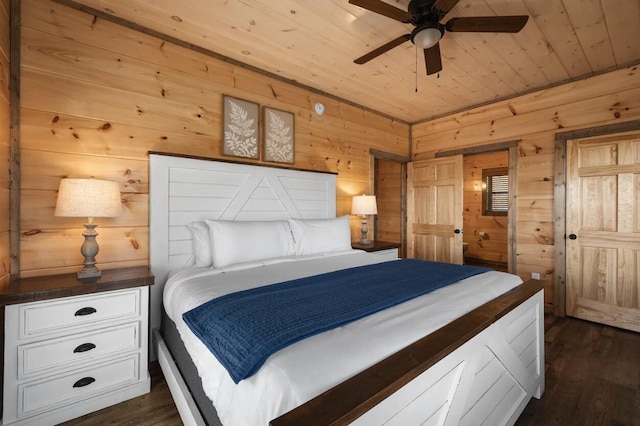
x=35, y=358
x=387, y=254
x=40, y=395
x=64, y=314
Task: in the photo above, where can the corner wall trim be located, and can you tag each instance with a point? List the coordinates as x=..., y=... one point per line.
x=14, y=148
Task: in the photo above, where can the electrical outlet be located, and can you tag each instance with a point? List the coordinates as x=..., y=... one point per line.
x=535, y=275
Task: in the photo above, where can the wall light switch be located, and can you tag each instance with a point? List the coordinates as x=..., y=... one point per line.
x=535, y=275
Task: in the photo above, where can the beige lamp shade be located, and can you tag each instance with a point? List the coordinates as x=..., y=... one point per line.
x=364, y=205
x=88, y=198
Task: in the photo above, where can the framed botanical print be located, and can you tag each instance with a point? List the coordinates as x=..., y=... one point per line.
x=278, y=136
x=240, y=134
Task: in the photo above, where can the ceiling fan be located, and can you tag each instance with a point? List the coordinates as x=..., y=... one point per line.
x=425, y=15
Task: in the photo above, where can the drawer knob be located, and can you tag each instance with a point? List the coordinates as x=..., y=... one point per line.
x=85, y=381
x=84, y=348
x=85, y=311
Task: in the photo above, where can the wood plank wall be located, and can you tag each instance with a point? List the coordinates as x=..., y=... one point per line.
x=534, y=119
x=5, y=143
x=487, y=236
x=96, y=96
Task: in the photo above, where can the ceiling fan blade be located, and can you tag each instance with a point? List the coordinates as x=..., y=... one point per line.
x=487, y=24
x=384, y=9
x=382, y=49
x=432, y=59
x=442, y=7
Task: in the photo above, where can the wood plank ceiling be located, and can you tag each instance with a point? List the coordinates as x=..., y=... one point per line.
x=314, y=42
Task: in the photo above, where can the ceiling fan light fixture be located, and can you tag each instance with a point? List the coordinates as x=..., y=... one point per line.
x=427, y=36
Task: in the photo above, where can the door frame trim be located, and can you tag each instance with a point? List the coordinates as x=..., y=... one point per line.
x=560, y=202
x=512, y=217
x=387, y=156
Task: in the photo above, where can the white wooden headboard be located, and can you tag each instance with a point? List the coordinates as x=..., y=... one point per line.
x=185, y=190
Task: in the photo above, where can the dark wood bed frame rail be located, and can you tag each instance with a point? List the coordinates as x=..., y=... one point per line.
x=352, y=398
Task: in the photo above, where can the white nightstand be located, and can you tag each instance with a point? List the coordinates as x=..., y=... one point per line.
x=384, y=249
x=73, y=347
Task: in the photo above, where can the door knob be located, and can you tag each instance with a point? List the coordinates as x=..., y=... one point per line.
x=573, y=236
x=456, y=231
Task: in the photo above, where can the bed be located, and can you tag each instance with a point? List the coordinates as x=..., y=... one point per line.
x=478, y=356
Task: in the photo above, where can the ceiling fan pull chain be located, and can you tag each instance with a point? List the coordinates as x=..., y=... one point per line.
x=416, y=72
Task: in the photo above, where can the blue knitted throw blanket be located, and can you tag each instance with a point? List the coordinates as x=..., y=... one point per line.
x=243, y=329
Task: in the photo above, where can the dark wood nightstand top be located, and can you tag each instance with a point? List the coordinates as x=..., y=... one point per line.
x=375, y=246
x=47, y=287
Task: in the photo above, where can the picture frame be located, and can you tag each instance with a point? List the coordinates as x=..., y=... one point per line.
x=278, y=136
x=241, y=131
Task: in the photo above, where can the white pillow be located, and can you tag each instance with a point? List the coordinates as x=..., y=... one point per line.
x=313, y=236
x=249, y=241
x=201, y=244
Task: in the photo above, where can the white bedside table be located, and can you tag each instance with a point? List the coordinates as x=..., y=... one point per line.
x=72, y=347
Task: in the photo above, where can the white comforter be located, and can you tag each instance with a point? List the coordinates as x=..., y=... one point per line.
x=300, y=372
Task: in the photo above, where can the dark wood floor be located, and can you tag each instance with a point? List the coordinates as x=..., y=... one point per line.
x=153, y=409
x=592, y=378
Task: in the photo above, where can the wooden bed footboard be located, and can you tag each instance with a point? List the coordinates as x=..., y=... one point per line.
x=482, y=368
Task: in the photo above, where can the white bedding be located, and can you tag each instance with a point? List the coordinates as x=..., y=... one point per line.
x=300, y=372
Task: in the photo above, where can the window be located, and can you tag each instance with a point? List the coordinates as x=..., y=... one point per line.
x=495, y=192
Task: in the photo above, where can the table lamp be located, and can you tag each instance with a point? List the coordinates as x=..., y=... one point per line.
x=88, y=198
x=364, y=205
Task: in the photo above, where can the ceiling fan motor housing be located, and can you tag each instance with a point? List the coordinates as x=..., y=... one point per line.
x=424, y=17
x=422, y=11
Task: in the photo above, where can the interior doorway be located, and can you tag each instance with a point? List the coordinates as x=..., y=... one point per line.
x=564, y=228
x=511, y=149
x=603, y=245
x=485, y=209
x=390, y=188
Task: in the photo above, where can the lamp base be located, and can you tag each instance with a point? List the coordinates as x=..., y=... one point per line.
x=89, y=273
x=89, y=250
x=364, y=231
